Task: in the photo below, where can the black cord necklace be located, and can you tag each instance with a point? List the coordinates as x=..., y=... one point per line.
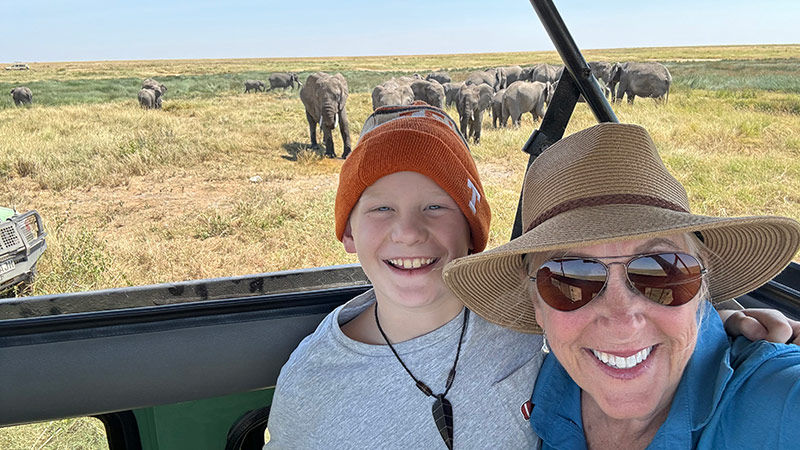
x=442, y=408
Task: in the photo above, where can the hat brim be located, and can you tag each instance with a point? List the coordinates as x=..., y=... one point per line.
x=744, y=253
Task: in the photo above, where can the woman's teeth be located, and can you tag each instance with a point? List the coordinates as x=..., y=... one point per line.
x=618, y=362
x=411, y=263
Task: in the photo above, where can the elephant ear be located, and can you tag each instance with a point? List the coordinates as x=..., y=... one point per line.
x=344, y=92
x=341, y=79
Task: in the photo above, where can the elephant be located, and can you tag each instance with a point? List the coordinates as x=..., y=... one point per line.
x=390, y=92
x=500, y=77
x=439, y=77
x=154, y=85
x=407, y=79
x=150, y=98
x=497, y=109
x=515, y=73
x=325, y=97
x=22, y=95
x=284, y=80
x=429, y=92
x=256, y=85
x=522, y=97
x=451, y=92
x=471, y=101
x=602, y=71
x=648, y=79
x=489, y=77
x=527, y=73
x=150, y=83
x=546, y=73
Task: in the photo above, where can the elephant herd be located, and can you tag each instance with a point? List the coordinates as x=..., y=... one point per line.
x=406, y=90
x=508, y=92
x=516, y=90
x=152, y=92
x=149, y=96
x=324, y=97
x=276, y=80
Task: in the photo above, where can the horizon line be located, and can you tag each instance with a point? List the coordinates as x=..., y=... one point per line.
x=396, y=55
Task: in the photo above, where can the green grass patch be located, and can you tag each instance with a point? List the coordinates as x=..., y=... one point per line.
x=781, y=75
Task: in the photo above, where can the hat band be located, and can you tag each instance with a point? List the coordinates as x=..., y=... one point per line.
x=601, y=200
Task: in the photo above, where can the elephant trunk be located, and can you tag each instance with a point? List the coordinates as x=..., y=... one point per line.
x=329, y=117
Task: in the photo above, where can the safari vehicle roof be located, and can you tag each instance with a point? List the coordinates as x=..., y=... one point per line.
x=146, y=358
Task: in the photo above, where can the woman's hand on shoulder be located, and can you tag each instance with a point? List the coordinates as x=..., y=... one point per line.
x=761, y=323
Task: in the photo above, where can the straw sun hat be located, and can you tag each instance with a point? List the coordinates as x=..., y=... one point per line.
x=605, y=184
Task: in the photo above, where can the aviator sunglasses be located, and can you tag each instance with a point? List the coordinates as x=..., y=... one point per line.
x=668, y=278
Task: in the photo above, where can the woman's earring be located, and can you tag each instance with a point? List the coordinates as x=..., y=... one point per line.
x=545, y=347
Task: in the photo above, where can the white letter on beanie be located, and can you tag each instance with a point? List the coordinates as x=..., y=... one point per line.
x=476, y=196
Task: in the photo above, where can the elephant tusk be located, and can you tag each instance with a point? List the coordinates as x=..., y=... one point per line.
x=336, y=120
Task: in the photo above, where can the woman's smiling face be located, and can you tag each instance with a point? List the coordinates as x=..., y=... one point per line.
x=626, y=352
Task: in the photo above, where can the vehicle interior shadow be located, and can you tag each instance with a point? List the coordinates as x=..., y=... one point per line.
x=294, y=149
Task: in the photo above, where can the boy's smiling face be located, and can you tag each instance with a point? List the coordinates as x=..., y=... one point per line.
x=405, y=229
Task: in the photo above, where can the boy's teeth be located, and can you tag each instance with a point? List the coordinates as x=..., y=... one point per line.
x=619, y=362
x=412, y=263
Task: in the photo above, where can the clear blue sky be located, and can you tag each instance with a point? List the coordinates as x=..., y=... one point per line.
x=49, y=30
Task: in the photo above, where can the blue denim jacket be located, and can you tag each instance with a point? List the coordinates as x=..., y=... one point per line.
x=744, y=395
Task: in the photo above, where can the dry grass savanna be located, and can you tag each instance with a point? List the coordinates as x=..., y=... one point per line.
x=132, y=196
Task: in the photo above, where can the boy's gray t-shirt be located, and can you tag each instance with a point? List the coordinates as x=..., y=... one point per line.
x=338, y=393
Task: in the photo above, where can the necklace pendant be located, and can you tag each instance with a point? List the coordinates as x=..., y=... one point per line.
x=443, y=416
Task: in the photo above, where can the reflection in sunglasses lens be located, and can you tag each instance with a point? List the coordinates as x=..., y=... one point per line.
x=666, y=278
x=568, y=284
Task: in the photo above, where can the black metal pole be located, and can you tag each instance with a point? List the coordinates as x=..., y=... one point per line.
x=577, y=79
x=573, y=60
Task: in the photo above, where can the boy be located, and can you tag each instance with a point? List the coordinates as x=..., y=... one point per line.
x=405, y=366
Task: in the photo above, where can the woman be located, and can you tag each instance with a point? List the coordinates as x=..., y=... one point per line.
x=619, y=276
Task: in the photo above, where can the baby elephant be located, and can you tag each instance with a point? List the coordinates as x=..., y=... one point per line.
x=256, y=85
x=22, y=95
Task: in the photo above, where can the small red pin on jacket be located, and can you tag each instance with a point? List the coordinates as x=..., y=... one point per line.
x=526, y=409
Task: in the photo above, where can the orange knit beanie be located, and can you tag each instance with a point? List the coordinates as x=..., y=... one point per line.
x=421, y=139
